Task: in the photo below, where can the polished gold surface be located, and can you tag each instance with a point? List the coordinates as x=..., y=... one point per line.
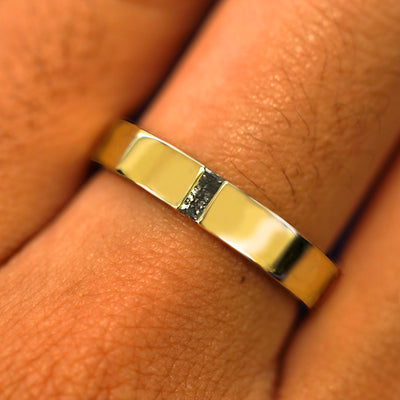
x=247, y=226
x=149, y=162
x=310, y=275
x=220, y=208
x=115, y=144
x=266, y=239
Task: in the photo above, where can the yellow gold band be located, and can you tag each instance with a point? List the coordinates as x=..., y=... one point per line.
x=219, y=207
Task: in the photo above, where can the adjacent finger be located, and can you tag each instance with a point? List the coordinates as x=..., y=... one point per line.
x=351, y=349
x=68, y=69
x=167, y=296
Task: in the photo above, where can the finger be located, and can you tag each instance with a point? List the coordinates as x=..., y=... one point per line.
x=68, y=69
x=134, y=305
x=300, y=128
x=351, y=349
x=179, y=316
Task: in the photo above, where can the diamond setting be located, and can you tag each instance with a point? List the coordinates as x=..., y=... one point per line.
x=200, y=195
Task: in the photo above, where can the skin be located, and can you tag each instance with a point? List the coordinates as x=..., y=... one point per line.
x=109, y=294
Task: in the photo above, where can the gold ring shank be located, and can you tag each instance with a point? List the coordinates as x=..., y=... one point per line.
x=220, y=208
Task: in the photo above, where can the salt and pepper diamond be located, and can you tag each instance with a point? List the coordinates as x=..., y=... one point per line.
x=201, y=194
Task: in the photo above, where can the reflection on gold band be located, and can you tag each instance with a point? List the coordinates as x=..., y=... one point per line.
x=219, y=207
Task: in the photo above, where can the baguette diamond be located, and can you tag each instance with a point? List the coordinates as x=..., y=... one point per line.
x=201, y=194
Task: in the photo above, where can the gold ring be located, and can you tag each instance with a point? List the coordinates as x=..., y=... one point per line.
x=220, y=208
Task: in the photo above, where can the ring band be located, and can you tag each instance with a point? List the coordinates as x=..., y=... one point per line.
x=219, y=207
